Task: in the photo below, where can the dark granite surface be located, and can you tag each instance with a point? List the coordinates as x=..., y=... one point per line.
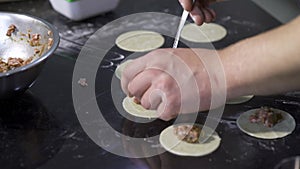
x=40, y=129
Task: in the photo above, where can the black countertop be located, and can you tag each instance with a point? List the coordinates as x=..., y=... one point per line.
x=40, y=129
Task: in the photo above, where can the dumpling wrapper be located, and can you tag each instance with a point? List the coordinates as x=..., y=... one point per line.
x=140, y=41
x=258, y=130
x=171, y=143
x=240, y=100
x=137, y=110
x=208, y=32
x=121, y=67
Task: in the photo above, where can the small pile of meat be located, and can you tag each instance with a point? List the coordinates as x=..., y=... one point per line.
x=267, y=116
x=34, y=40
x=11, y=29
x=13, y=63
x=188, y=133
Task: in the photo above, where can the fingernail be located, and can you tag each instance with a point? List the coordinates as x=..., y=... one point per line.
x=196, y=19
x=193, y=17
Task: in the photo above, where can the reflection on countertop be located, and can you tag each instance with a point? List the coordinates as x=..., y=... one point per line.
x=41, y=130
x=29, y=134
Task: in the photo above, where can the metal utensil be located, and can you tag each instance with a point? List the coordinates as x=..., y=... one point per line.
x=175, y=44
x=181, y=24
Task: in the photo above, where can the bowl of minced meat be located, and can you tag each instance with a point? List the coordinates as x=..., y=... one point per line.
x=25, y=44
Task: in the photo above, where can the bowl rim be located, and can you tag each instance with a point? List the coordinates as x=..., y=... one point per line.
x=40, y=59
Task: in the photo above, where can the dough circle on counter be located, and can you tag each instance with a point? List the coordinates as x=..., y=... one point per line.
x=240, y=100
x=171, y=143
x=208, y=32
x=121, y=68
x=140, y=41
x=137, y=110
x=258, y=130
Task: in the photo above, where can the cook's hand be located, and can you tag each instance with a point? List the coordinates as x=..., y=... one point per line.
x=199, y=11
x=168, y=80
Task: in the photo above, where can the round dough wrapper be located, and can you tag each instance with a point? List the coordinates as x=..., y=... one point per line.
x=258, y=130
x=171, y=143
x=208, y=32
x=140, y=41
x=240, y=100
x=137, y=110
x=121, y=67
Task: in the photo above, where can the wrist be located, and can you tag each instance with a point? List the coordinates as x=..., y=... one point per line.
x=235, y=69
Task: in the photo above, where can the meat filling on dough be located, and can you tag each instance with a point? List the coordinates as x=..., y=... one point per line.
x=267, y=116
x=188, y=133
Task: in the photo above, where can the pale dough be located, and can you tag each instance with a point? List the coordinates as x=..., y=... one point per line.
x=258, y=130
x=240, y=100
x=140, y=41
x=137, y=110
x=208, y=32
x=121, y=67
x=171, y=143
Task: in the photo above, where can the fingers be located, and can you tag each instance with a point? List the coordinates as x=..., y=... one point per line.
x=152, y=98
x=145, y=79
x=187, y=4
x=156, y=94
x=213, y=13
x=140, y=83
x=140, y=64
x=131, y=70
x=201, y=15
x=145, y=89
x=166, y=111
x=197, y=15
x=199, y=11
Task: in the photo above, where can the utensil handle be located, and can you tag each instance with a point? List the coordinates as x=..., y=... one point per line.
x=181, y=24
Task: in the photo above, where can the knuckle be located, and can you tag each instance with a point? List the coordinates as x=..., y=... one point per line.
x=168, y=113
x=172, y=100
x=165, y=83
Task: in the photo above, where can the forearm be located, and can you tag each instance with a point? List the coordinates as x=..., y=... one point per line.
x=265, y=64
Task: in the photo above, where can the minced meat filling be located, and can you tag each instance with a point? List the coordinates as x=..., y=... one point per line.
x=11, y=29
x=33, y=40
x=188, y=133
x=3, y=66
x=267, y=116
x=13, y=63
